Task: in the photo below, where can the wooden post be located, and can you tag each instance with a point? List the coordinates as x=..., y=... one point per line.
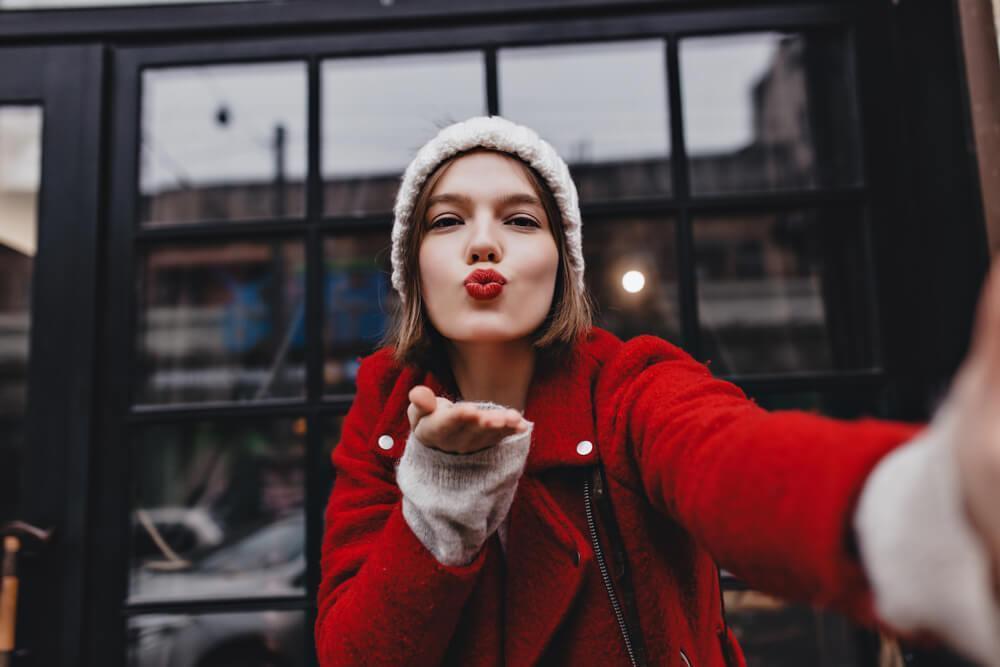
x=8, y=598
x=982, y=72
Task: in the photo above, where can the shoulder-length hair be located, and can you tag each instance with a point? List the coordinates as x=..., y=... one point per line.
x=412, y=335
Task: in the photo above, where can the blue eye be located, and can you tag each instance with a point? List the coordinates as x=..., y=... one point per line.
x=529, y=222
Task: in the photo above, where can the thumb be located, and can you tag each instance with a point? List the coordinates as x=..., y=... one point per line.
x=422, y=403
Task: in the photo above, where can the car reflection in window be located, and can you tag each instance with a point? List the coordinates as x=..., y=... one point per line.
x=266, y=562
x=269, y=561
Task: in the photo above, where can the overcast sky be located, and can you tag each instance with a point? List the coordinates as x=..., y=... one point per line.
x=595, y=103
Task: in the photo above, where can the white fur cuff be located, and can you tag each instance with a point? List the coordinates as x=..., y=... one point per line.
x=928, y=569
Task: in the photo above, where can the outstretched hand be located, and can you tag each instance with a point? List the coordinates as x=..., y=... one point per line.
x=975, y=406
x=459, y=428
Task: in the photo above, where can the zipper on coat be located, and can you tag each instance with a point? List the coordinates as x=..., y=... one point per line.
x=605, y=575
x=684, y=657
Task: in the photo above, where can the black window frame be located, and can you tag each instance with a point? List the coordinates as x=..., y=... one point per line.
x=358, y=29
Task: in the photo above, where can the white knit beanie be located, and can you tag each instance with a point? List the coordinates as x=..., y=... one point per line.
x=496, y=133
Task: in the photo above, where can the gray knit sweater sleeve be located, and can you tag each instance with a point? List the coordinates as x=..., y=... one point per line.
x=454, y=502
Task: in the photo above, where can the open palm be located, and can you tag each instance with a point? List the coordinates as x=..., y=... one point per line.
x=459, y=428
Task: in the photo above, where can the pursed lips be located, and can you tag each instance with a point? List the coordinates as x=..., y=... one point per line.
x=484, y=284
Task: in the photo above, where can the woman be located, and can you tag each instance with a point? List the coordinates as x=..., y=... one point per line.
x=515, y=486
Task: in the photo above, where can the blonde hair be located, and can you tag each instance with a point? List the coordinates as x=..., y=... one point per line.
x=412, y=335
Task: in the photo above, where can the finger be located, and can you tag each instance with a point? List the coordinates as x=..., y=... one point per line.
x=517, y=421
x=423, y=399
x=493, y=419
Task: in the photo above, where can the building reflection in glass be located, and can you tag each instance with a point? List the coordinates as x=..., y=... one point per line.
x=222, y=143
x=229, y=639
x=769, y=111
x=221, y=322
x=617, y=251
x=218, y=511
x=783, y=292
x=603, y=106
x=378, y=111
x=358, y=303
x=20, y=176
x=763, y=111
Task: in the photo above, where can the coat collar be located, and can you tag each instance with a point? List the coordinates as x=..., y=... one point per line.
x=560, y=402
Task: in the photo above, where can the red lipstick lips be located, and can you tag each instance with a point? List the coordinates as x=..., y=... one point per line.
x=484, y=284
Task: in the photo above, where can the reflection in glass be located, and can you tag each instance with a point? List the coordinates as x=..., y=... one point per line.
x=218, y=510
x=358, y=302
x=602, y=106
x=851, y=404
x=777, y=634
x=20, y=175
x=240, y=639
x=378, y=111
x=221, y=322
x=769, y=111
x=226, y=142
x=68, y=4
x=782, y=292
x=632, y=275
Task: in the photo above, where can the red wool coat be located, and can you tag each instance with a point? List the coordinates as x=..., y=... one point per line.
x=694, y=470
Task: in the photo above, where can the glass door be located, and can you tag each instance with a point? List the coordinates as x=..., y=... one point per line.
x=48, y=217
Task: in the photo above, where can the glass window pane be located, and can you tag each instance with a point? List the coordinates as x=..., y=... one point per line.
x=769, y=111
x=632, y=275
x=602, y=106
x=221, y=322
x=225, y=142
x=378, y=111
x=778, y=634
x=358, y=303
x=232, y=639
x=859, y=401
x=783, y=292
x=20, y=175
x=218, y=510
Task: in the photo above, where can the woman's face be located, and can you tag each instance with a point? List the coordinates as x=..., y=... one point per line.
x=484, y=215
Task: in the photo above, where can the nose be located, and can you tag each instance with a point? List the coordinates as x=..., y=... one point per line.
x=483, y=246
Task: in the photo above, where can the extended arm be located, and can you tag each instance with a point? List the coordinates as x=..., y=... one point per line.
x=769, y=495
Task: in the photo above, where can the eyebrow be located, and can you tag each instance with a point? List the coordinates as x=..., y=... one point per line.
x=505, y=200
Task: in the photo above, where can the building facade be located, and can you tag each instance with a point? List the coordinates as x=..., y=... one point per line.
x=195, y=205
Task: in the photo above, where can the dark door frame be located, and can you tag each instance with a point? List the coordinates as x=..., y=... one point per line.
x=66, y=82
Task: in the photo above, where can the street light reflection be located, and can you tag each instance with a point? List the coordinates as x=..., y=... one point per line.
x=633, y=281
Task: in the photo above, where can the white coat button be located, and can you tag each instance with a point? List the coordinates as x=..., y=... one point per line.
x=385, y=442
x=584, y=447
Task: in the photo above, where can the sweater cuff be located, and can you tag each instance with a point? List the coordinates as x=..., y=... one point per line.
x=928, y=568
x=454, y=502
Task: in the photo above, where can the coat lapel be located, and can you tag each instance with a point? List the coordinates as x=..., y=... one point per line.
x=546, y=554
x=546, y=557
